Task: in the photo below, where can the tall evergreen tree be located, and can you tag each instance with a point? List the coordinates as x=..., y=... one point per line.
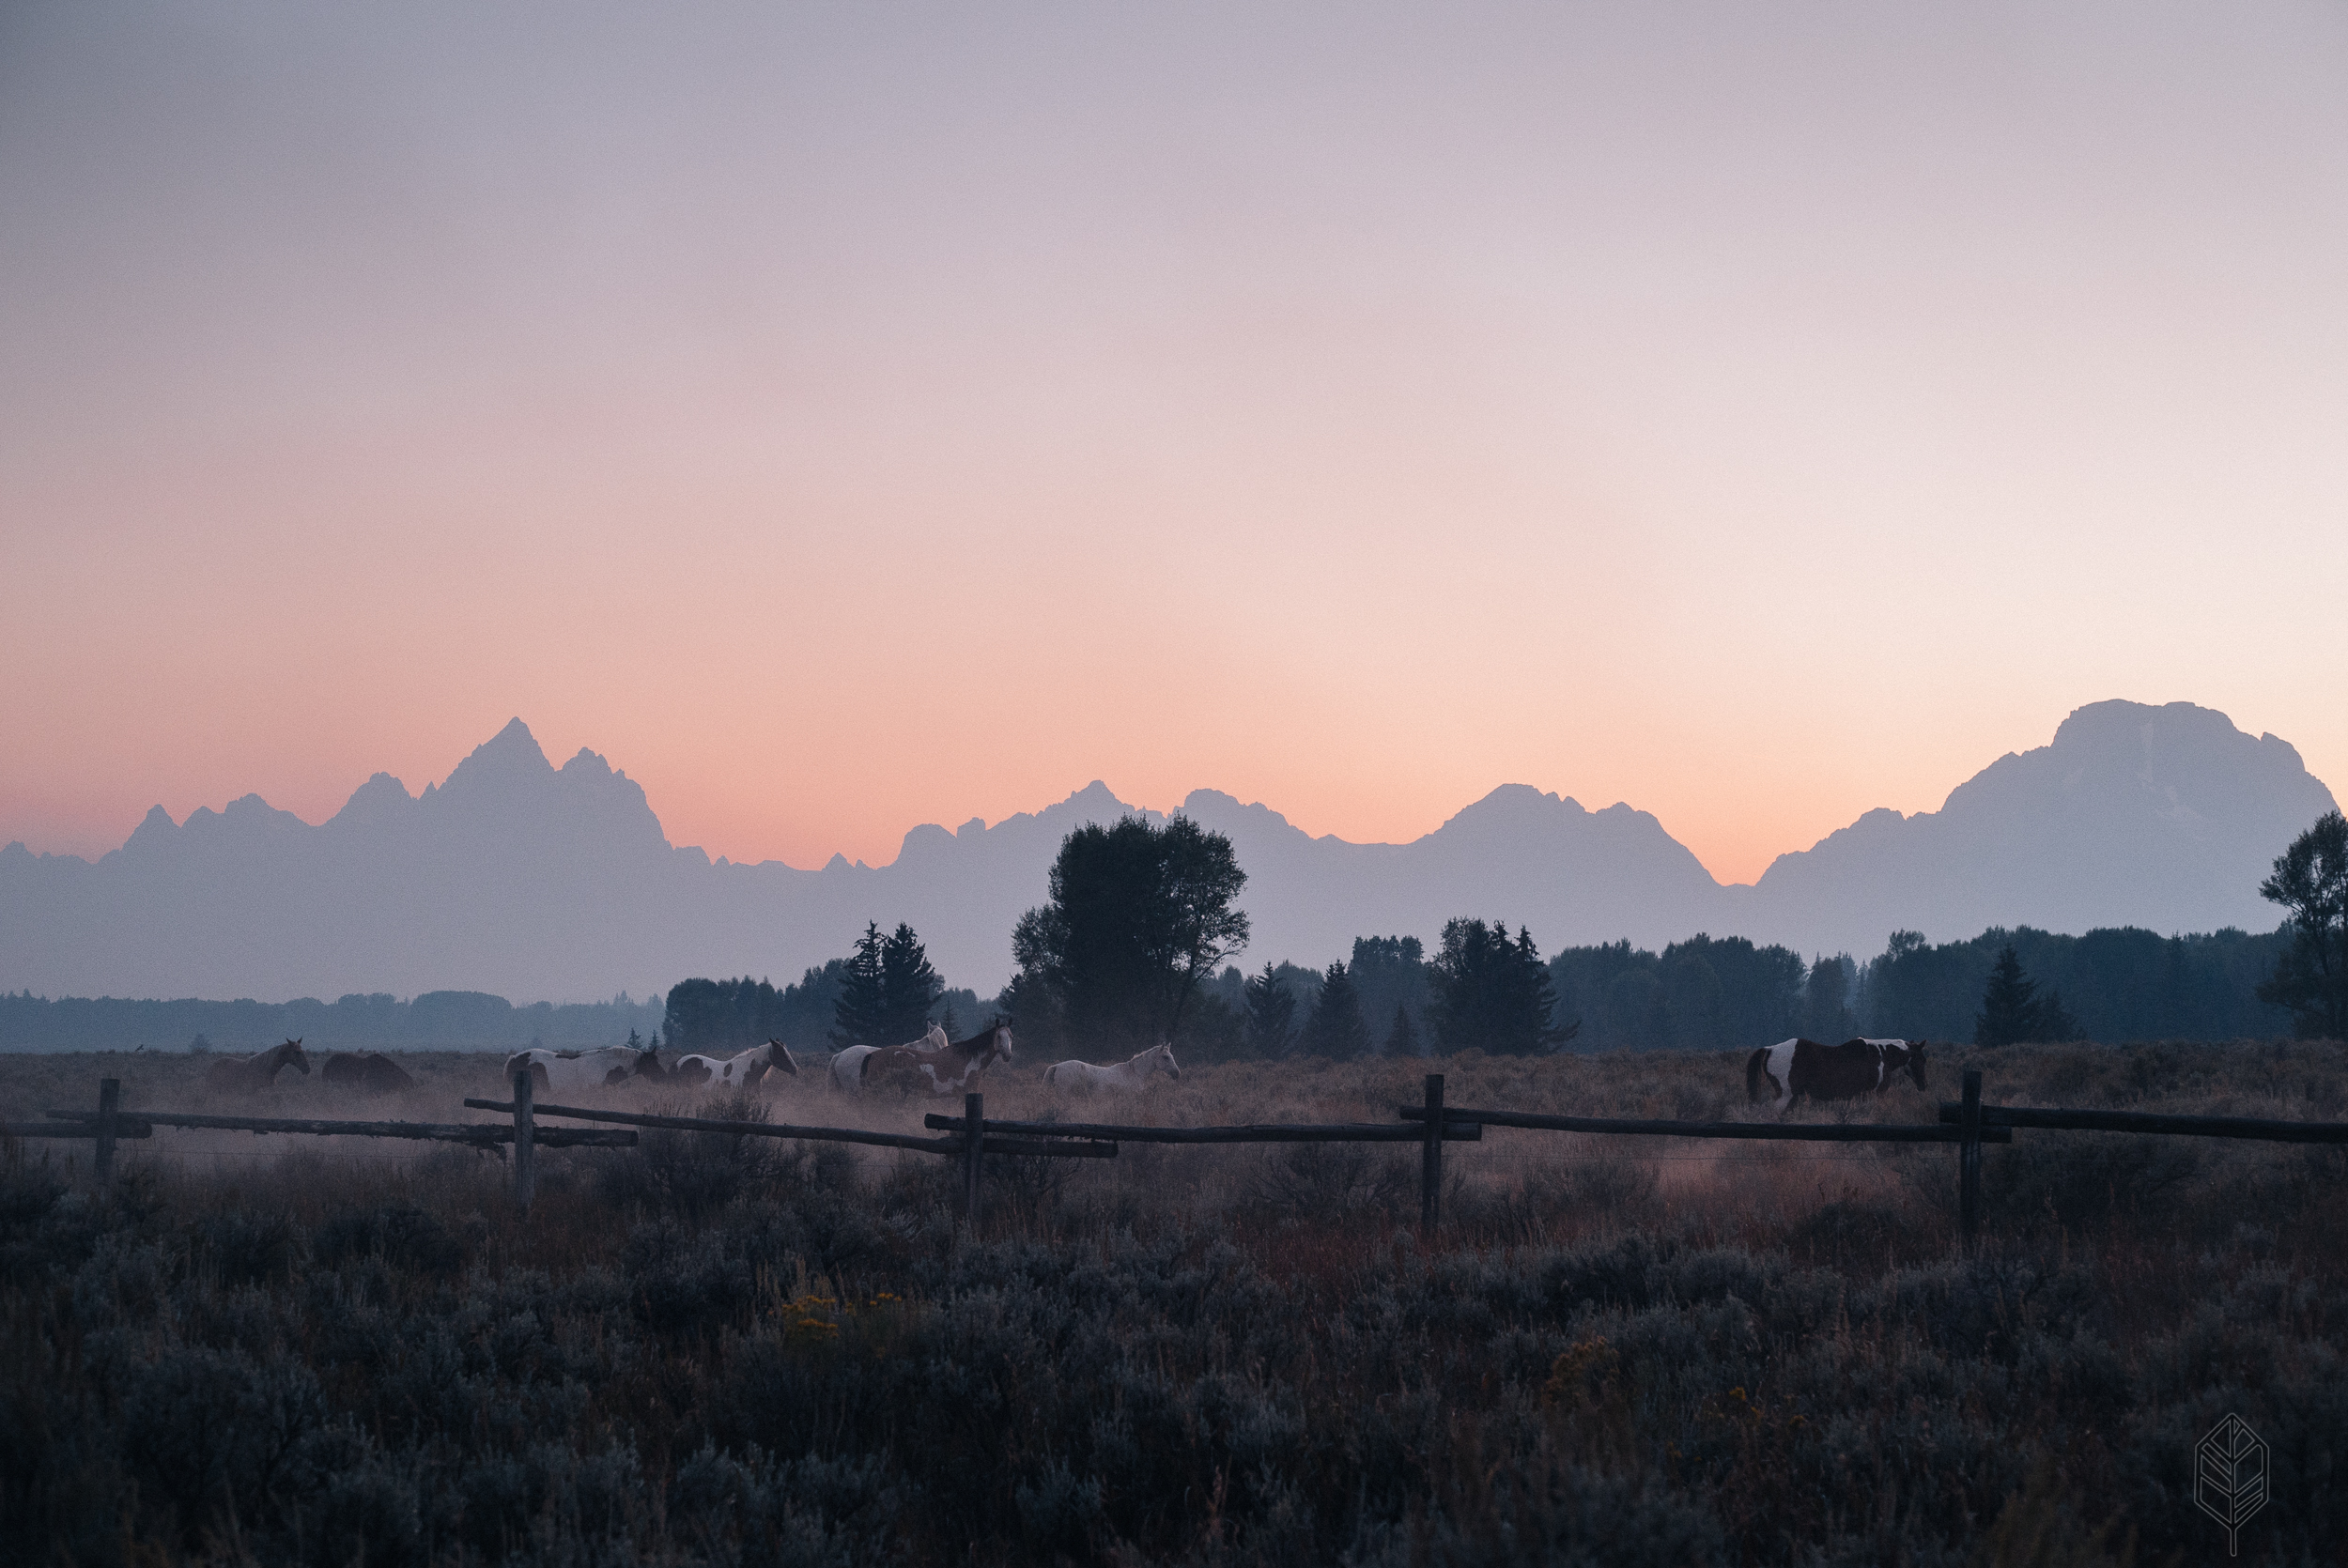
x=1491, y=994
x=1337, y=1029
x=2311, y=977
x=1271, y=1015
x=860, y=1017
x=1402, y=1040
x=1825, y=999
x=2013, y=1011
x=909, y=988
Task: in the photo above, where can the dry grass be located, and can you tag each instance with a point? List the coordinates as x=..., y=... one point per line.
x=1620, y=1350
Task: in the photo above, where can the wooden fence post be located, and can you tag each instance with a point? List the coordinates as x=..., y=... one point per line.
x=525, y=1142
x=1430, y=1161
x=1969, y=1159
x=973, y=1154
x=109, y=1099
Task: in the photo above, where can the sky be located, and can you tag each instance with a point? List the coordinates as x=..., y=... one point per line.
x=846, y=417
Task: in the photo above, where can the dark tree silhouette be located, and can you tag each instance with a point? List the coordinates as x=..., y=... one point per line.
x=1402, y=1040
x=1139, y=915
x=1271, y=1015
x=1337, y=1029
x=2311, y=977
x=909, y=988
x=1491, y=994
x=2012, y=1010
x=860, y=1017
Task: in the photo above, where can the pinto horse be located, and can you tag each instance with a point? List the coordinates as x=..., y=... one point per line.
x=253, y=1073
x=941, y=1071
x=1791, y=1069
x=369, y=1072
x=847, y=1063
x=583, y=1070
x=1134, y=1072
x=736, y=1072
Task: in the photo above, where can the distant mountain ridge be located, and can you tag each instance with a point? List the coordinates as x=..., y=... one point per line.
x=517, y=877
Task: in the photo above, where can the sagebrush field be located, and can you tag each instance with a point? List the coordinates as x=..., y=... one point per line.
x=1617, y=1351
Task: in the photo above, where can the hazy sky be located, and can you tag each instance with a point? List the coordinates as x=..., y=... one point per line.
x=854, y=416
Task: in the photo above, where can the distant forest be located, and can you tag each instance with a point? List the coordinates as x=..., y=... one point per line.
x=1705, y=993
x=436, y=1021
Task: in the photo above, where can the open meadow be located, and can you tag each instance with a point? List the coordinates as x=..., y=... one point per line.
x=1633, y=1351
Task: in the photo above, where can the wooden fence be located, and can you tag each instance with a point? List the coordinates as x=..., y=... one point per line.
x=1966, y=1123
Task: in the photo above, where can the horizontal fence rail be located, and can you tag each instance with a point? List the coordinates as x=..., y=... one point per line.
x=813, y=1134
x=1257, y=1133
x=125, y=1127
x=2059, y=1119
x=443, y=1132
x=1799, y=1132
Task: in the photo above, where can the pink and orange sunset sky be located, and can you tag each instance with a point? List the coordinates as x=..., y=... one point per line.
x=846, y=417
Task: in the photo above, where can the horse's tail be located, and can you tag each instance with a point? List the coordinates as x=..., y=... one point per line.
x=1753, y=1072
x=1051, y=1079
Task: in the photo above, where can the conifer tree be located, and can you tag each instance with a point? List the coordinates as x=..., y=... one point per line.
x=1492, y=995
x=909, y=988
x=1271, y=1015
x=1336, y=1029
x=2010, y=1008
x=860, y=1016
x=1402, y=1040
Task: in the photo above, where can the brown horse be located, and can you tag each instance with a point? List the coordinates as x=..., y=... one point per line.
x=370, y=1072
x=1792, y=1069
x=252, y=1074
x=909, y=1069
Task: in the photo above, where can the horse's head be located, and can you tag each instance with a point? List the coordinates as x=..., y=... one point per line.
x=290, y=1055
x=648, y=1065
x=779, y=1058
x=1164, y=1052
x=998, y=1041
x=1916, y=1063
x=935, y=1038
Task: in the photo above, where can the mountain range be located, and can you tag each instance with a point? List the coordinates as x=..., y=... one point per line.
x=518, y=877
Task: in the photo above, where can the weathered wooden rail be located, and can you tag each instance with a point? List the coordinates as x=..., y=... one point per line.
x=109, y=1123
x=2062, y=1119
x=1966, y=1123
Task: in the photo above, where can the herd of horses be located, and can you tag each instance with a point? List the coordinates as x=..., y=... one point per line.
x=1788, y=1072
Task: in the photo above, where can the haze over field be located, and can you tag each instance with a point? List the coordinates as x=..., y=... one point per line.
x=857, y=417
x=518, y=878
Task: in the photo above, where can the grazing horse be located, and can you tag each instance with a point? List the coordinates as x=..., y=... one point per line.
x=1132, y=1073
x=1791, y=1069
x=735, y=1072
x=253, y=1073
x=369, y=1072
x=584, y=1070
x=847, y=1064
x=941, y=1071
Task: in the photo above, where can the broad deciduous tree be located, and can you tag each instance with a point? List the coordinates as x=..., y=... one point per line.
x=2311, y=977
x=1139, y=915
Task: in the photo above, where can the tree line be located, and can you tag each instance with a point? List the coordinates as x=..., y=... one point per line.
x=1134, y=942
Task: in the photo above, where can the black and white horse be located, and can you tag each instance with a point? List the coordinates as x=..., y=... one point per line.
x=736, y=1072
x=1790, y=1070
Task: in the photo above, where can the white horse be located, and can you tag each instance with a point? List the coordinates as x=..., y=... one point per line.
x=736, y=1072
x=583, y=1070
x=847, y=1067
x=1132, y=1073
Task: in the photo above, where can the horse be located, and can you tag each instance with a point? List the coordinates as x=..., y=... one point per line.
x=847, y=1063
x=735, y=1072
x=1791, y=1069
x=942, y=1071
x=1132, y=1073
x=253, y=1073
x=369, y=1072
x=584, y=1070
